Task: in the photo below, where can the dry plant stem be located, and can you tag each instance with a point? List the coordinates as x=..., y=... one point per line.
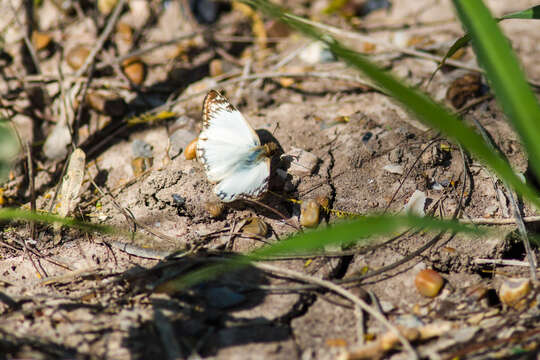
x=29, y=5
x=515, y=207
x=79, y=112
x=167, y=335
x=131, y=219
x=139, y=251
x=500, y=262
x=111, y=23
x=346, y=294
x=32, y=189
x=278, y=213
x=409, y=172
x=422, y=248
x=388, y=45
x=482, y=221
x=269, y=75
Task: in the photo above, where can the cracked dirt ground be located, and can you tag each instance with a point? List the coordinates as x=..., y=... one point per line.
x=110, y=297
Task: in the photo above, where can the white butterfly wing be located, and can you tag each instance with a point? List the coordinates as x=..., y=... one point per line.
x=246, y=181
x=226, y=137
x=221, y=120
x=226, y=148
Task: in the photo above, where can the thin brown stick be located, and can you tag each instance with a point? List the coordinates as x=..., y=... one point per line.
x=501, y=221
x=29, y=6
x=111, y=23
x=346, y=294
x=30, y=165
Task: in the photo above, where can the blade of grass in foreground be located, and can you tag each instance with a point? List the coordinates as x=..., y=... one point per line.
x=314, y=242
x=11, y=214
x=420, y=104
x=507, y=80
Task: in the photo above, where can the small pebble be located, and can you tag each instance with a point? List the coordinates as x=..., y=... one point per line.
x=513, y=292
x=178, y=141
x=428, y=282
x=316, y=53
x=56, y=144
x=214, y=208
x=40, y=40
x=302, y=163
x=309, y=213
x=190, y=152
x=135, y=70
x=140, y=148
x=416, y=203
x=255, y=226
x=106, y=6
x=394, y=169
x=107, y=104
x=77, y=56
x=178, y=200
x=140, y=164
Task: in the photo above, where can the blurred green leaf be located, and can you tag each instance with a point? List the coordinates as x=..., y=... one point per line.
x=19, y=214
x=531, y=14
x=9, y=147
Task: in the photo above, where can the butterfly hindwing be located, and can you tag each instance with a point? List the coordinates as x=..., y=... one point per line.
x=250, y=182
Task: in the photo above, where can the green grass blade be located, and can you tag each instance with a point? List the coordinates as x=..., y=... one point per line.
x=529, y=14
x=344, y=234
x=504, y=74
x=9, y=147
x=11, y=214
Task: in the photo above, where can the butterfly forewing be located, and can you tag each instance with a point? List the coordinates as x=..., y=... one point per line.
x=249, y=182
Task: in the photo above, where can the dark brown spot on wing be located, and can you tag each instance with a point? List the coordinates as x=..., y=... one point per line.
x=214, y=102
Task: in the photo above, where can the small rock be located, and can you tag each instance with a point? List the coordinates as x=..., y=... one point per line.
x=77, y=56
x=107, y=104
x=514, y=291
x=55, y=147
x=394, y=169
x=302, y=163
x=309, y=213
x=190, y=152
x=416, y=203
x=178, y=200
x=178, y=141
x=396, y=155
x=140, y=148
x=135, y=70
x=255, y=226
x=140, y=164
x=491, y=210
x=214, y=208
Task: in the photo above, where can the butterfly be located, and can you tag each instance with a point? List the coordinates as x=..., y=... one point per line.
x=231, y=151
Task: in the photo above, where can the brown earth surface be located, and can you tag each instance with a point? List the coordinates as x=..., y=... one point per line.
x=69, y=294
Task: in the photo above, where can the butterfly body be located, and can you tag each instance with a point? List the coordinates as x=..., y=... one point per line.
x=231, y=151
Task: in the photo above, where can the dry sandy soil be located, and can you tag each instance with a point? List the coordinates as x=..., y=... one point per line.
x=69, y=294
